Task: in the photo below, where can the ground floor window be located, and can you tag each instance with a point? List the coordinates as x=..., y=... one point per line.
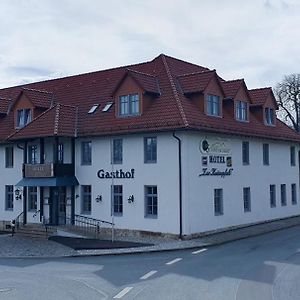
x=294, y=193
x=86, y=196
x=247, y=199
x=32, y=198
x=218, y=202
x=9, y=197
x=117, y=191
x=272, y=195
x=151, y=203
x=283, y=194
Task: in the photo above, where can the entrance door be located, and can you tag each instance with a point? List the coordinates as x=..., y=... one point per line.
x=58, y=205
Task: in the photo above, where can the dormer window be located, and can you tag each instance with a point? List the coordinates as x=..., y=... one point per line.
x=213, y=105
x=241, y=111
x=24, y=116
x=269, y=116
x=129, y=105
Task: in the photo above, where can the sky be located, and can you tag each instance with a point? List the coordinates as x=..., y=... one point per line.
x=257, y=40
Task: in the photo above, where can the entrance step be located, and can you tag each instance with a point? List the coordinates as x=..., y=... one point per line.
x=35, y=231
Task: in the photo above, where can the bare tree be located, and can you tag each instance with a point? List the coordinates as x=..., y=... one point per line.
x=287, y=93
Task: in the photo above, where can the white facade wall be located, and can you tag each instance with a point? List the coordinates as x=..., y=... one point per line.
x=199, y=191
x=164, y=174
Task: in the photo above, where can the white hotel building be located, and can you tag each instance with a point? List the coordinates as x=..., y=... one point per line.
x=164, y=147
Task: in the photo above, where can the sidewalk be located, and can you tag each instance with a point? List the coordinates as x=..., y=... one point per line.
x=18, y=246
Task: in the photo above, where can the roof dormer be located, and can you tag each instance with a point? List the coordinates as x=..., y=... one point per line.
x=134, y=93
x=264, y=105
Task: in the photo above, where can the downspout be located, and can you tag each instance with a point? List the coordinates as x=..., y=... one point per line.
x=180, y=184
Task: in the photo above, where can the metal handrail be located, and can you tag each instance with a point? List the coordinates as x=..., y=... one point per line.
x=35, y=214
x=17, y=219
x=93, y=219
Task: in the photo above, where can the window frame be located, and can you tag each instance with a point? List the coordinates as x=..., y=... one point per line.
x=9, y=197
x=218, y=202
x=151, y=201
x=9, y=156
x=24, y=117
x=272, y=195
x=117, y=200
x=246, y=153
x=241, y=111
x=266, y=154
x=117, y=154
x=33, y=154
x=213, y=107
x=86, y=199
x=293, y=156
x=247, y=199
x=294, y=193
x=86, y=153
x=283, y=194
x=32, y=198
x=129, y=105
x=269, y=116
x=150, y=157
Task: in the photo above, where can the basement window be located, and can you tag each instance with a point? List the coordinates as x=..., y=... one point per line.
x=107, y=106
x=93, y=108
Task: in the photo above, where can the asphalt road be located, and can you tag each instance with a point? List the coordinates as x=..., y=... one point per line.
x=264, y=267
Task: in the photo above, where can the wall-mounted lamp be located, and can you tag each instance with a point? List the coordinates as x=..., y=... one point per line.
x=98, y=198
x=76, y=196
x=131, y=199
x=18, y=194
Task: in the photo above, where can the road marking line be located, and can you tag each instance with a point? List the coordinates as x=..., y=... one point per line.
x=174, y=261
x=199, y=251
x=123, y=292
x=146, y=276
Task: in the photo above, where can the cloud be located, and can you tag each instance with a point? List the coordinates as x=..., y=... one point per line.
x=251, y=39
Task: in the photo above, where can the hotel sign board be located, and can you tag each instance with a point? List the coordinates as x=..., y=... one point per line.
x=39, y=170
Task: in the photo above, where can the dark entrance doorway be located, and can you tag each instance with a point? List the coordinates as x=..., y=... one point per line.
x=57, y=205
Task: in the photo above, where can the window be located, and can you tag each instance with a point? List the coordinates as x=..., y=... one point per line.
x=283, y=194
x=151, y=204
x=266, y=160
x=32, y=154
x=9, y=197
x=150, y=149
x=241, y=111
x=129, y=105
x=32, y=198
x=117, y=199
x=218, y=202
x=272, y=195
x=245, y=153
x=292, y=156
x=60, y=153
x=23, y=117
x=294, y=193
x=93, y=108
x=247, y=199
x=107, y=106
x=86, y=198
x=213, y=105
x=117, y=152
x=86, y=153
x=269, y=116
x=9, y=157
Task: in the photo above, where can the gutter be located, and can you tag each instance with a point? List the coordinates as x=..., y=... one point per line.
x=180, y=184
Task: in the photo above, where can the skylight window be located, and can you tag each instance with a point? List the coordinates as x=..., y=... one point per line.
x=93, y=108
x=107, y=106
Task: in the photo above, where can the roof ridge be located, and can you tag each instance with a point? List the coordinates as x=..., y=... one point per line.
x=142, y=73
x=36, y=90
x=232, y=80
x=174, y=90
x=198, y=72
x=56, y=119
x=263, y=88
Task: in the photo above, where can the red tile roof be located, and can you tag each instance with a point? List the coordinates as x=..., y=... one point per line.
x=4, y=105
x=195, y=82
x=231, y=87
x=170, y=111
x=59, y=120
x=39, y=98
